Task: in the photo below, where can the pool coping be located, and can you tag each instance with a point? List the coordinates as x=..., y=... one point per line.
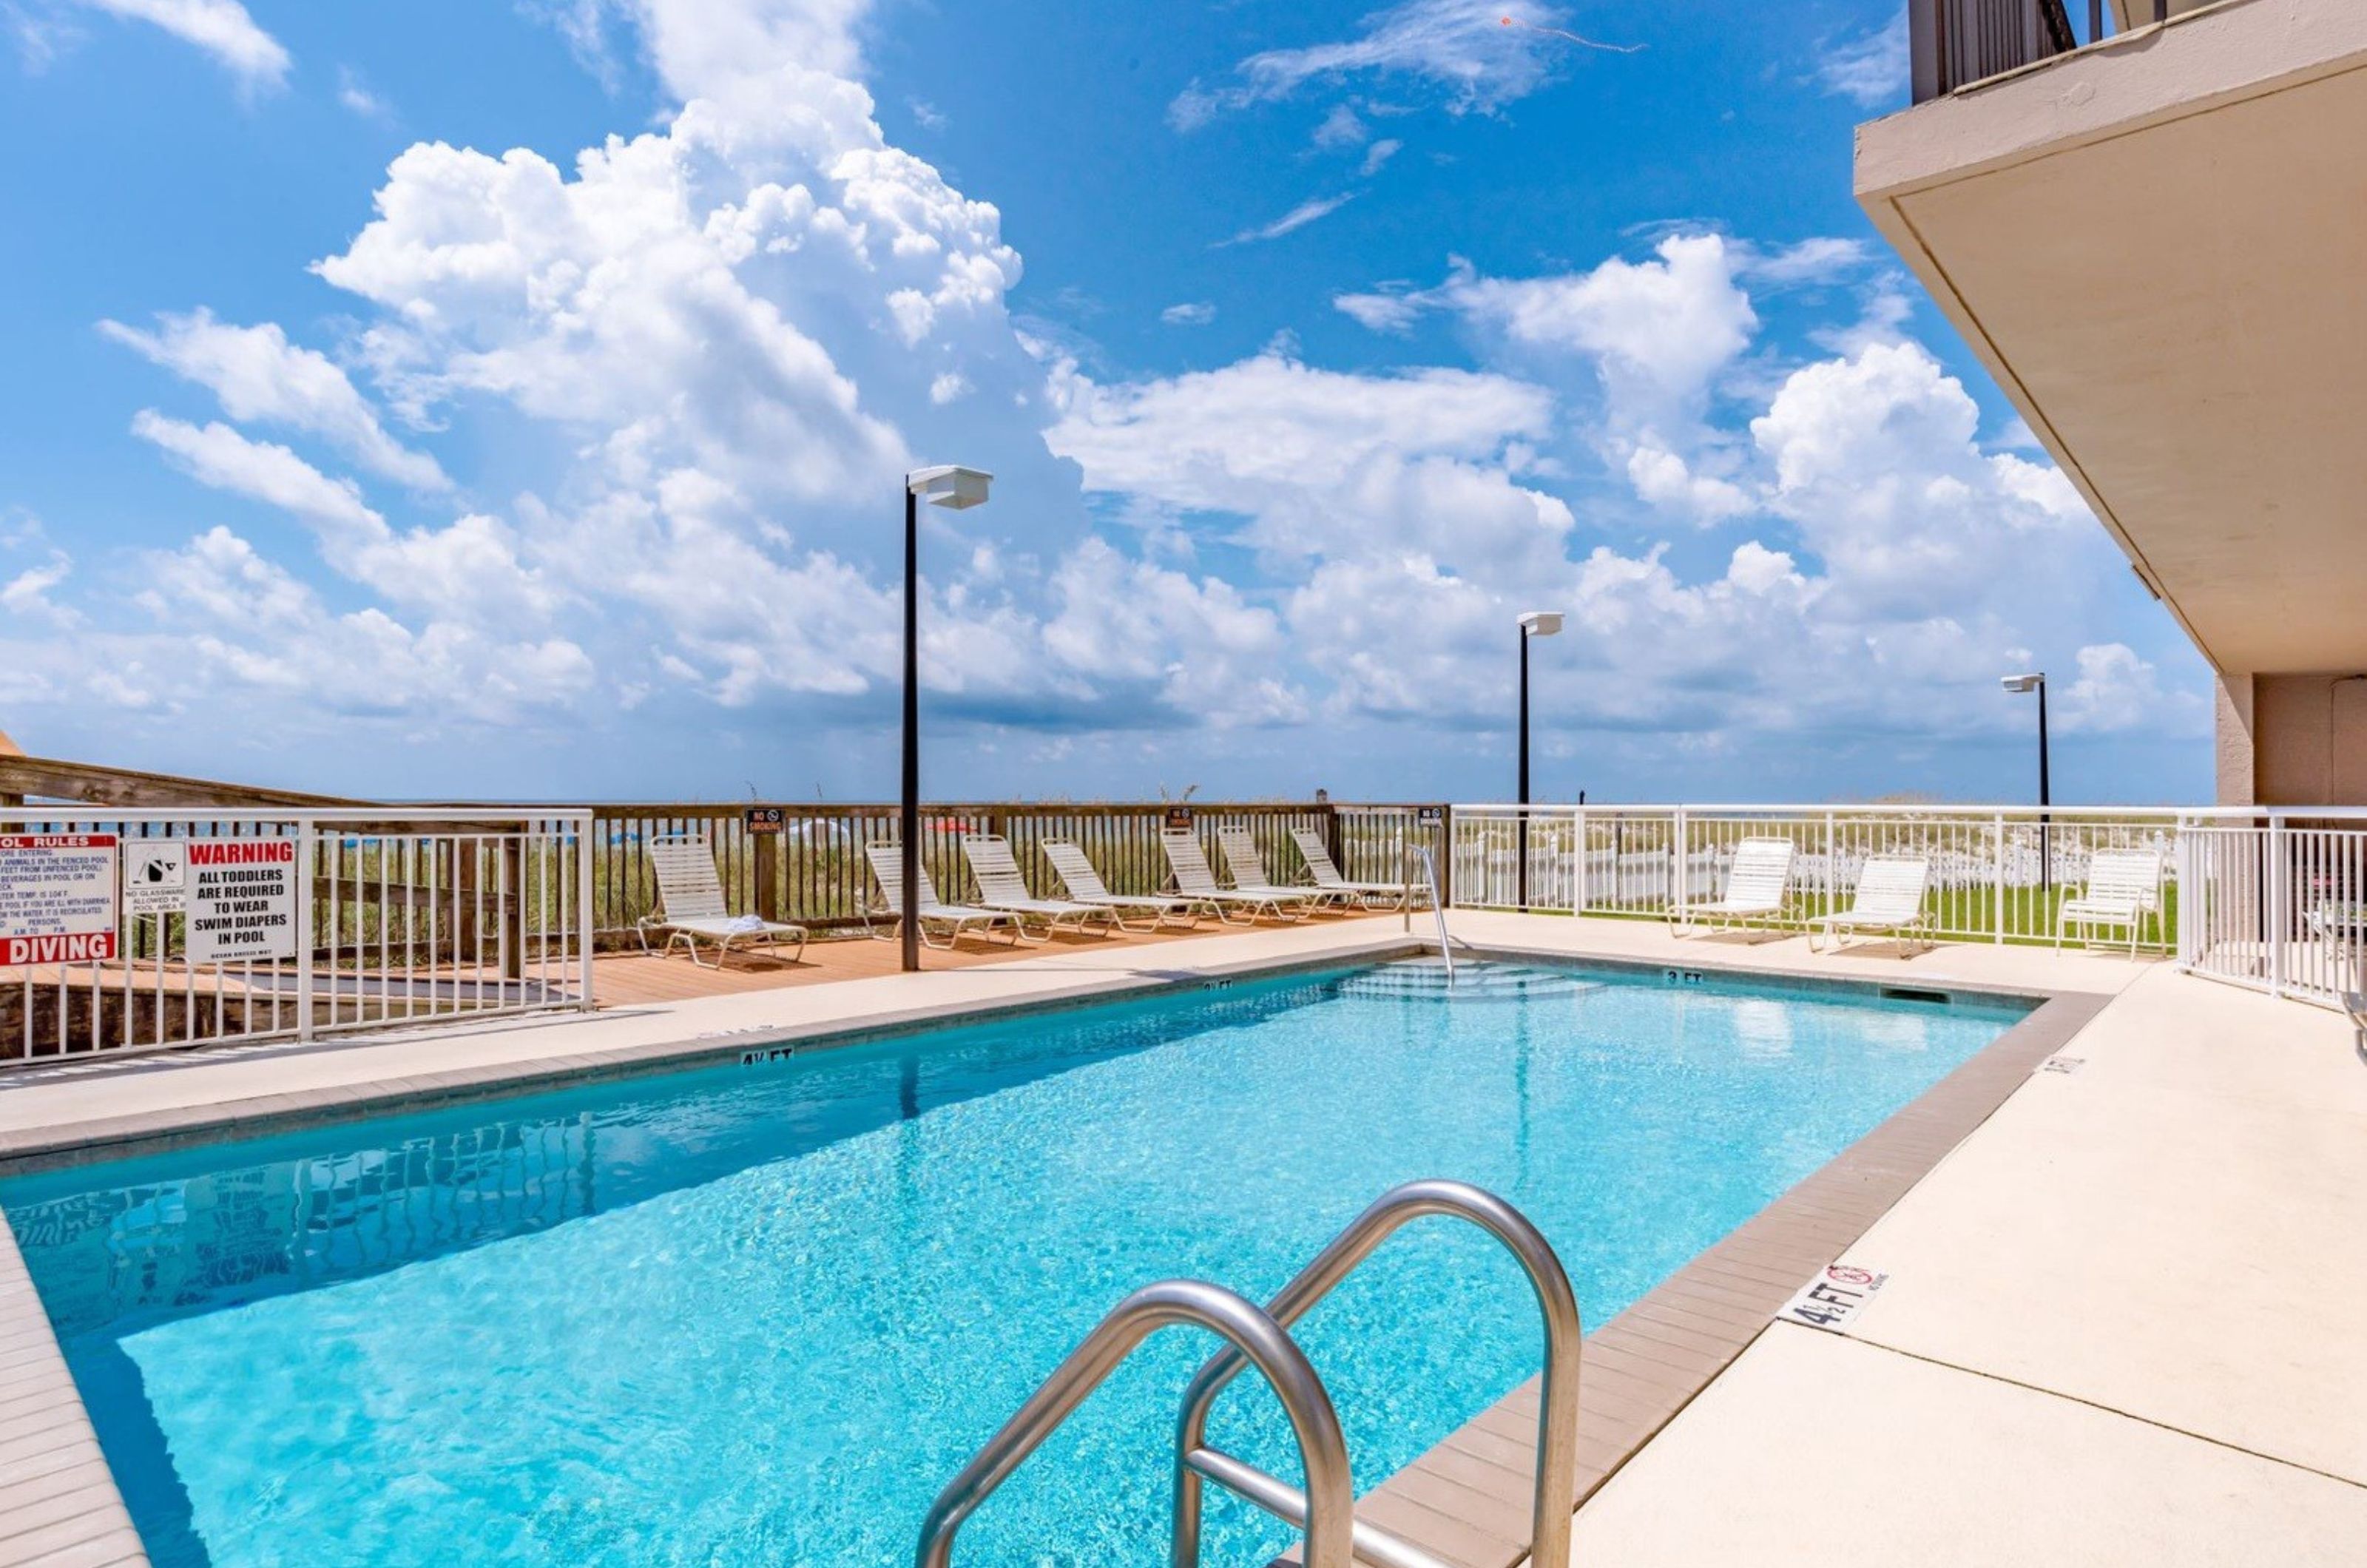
x=1467, y=1499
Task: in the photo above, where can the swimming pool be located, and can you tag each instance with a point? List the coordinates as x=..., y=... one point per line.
x=757, y=1314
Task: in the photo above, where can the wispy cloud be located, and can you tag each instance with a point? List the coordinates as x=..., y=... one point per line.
x=355, y=95
x=1820, y=258
x=1484, y=54
x=221, y=27
x=1870, y=71
x=1378, y=155
x=1341, y=128
x=1198, y=313
x=1297, y=218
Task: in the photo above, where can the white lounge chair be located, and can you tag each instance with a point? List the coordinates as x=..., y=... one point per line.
x=1370, y=895
x=2123, y=888
x=1757, y=885
x=1889, y=898
x=691, y=905
x=1001, y=886
x=1242, y=858
x=950, y=920
x=1085, y=885
x=1196, y=882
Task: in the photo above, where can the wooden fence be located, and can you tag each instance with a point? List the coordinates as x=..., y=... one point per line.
x=807, y=866
x=805, y=862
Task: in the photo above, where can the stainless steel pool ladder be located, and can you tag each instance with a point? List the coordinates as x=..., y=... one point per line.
x=1259, y=1337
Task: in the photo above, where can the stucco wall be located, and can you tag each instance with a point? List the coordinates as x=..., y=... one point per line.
x=2292, y=740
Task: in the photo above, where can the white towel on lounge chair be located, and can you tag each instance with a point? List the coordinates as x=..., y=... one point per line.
x=691, y=904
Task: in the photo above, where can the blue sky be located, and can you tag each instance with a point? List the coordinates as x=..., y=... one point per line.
x=466, y=398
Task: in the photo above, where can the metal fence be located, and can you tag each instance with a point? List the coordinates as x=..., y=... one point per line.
x=2277, y=900
x=805, y=862
x=1998, y=874
x=386, y=917
x=2270, y=898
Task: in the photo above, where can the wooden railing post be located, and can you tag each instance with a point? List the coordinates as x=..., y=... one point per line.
x=511, y=907
x=464, y=898
x=1445, y=856
x=765, y=868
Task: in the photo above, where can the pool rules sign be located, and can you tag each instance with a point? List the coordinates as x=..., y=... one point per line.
x=56, y=897
x=242, y=899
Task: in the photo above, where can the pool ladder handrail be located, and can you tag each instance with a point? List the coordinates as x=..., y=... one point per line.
x=1259, y=1337
x=1253, y=1336
x=1556, y=1497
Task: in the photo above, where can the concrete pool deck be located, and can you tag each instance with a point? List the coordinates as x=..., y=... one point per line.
x=2125, y=1322
x=2121, y=1319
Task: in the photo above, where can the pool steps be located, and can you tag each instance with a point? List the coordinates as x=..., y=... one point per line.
x=1259, y=1337
x=1427, y=980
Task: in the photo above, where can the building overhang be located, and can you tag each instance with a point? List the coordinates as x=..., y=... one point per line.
x=2157, y=247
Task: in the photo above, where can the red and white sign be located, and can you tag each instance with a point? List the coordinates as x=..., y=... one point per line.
x=242, y=899
x=56, y=897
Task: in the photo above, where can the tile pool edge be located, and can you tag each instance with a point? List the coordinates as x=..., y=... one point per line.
x=1467, y=1498
x=1641, y=1367
x=59, y=1504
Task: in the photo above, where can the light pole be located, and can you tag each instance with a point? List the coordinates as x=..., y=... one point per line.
x=1533, y=624
x=954, y=489
x=2036, y=681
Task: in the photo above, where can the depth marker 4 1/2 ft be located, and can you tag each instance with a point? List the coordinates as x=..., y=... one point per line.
x=1834, y=1298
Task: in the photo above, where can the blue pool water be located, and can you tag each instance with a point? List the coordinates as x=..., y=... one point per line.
x=756, y=1316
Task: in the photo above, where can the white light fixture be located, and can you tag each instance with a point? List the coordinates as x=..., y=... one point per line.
x=2030, y=682
x=950, y=486
x=1541, y=623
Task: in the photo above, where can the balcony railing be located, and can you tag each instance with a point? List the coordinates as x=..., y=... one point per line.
x=1954, y=43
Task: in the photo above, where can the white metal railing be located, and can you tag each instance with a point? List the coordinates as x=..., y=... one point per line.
x=1998, y=874
x=233, y=925
x=2278, y=901
x=2272, y=898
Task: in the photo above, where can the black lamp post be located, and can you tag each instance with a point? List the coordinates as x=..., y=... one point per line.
x=953, y=487
x=1533, y=624
x=2036, y=681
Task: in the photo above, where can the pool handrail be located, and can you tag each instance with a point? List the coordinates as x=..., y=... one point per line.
x=1438, y=911
x=1255, y=1339
x=1556, y=1485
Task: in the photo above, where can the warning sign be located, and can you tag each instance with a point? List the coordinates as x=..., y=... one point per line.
x=155, y=877
x=56, y=897
x=242, y=899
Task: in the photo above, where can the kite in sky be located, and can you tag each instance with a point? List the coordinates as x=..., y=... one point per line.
x=1586, y=42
